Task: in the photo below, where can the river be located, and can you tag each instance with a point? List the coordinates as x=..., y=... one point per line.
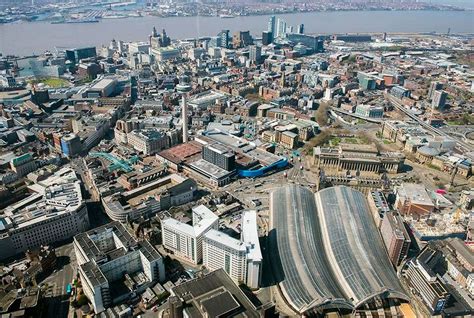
x=24, y=38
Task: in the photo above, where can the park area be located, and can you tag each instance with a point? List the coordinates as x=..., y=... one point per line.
x=52, y=82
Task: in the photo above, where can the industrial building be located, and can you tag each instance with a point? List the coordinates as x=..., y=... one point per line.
x=327, y=251
x=184, y=240
x=55, y=211
x=240, y=258
x=110, y=260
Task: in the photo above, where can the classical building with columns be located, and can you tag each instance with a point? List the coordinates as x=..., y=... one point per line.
x=358, y=158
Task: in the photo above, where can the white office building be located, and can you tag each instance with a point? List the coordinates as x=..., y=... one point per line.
x=55, y=211
x=222, y=251
x=185, y=240
x=241, y=259
x=108, y=255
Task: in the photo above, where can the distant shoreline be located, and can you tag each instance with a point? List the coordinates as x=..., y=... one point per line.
x=23, y=39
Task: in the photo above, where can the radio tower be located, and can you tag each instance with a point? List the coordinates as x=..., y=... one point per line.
x=184, y=87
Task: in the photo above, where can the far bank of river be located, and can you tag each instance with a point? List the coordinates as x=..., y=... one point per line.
x=25, y=38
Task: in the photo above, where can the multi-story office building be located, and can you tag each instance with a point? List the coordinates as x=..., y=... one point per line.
x=395, y=236
x=55, y=211
x=369, y=111
x=439, y=99
x=267, y=37
x=272, y=27
x=149, y=141
x=75, y=55
x=314, y=42
x=242, y=39
x=255, y=54
x=241, y=259
x=424, y=280
x=219, y=155
x=222, y=251
x=400, y=91
x=109, y=254
x=185, y=240
x=280, y=28
x=71, y=145
x=434, y=86
x=224, y=38
x=149, y=198
x=23, y=164
x=413, y=199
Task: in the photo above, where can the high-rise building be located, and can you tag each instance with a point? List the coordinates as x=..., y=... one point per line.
x=395, y=236
x=280, y=28
x=219, y=155
x=71, y=145
x=267, y=37
x=255, y=54
x=186, y=240
x=271, y=27
x=224, y=35
x=222, y=251
x=241, y=259
x=242, y=39
x=439, y=99
x=300, y=28
x=434, y=86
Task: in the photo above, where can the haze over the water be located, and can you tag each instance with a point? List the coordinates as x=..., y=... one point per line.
x=25, y=38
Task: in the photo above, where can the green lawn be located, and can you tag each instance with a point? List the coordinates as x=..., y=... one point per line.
x=53, y=82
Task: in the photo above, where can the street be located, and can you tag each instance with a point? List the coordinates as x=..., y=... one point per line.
x=54, y=286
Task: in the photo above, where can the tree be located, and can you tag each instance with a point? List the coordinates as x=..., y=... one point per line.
x=322, y=114
x=82, y=300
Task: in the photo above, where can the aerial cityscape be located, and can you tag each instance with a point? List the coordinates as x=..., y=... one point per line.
x=250, y=158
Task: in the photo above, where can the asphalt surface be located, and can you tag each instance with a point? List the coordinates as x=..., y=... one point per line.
x=55, y=285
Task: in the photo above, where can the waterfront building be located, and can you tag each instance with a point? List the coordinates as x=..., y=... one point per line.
x=272, y=28
x=75, y=55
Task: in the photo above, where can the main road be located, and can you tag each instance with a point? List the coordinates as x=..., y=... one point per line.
x=397, y=103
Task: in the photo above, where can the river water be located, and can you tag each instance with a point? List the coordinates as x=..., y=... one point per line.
x=26, y=38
